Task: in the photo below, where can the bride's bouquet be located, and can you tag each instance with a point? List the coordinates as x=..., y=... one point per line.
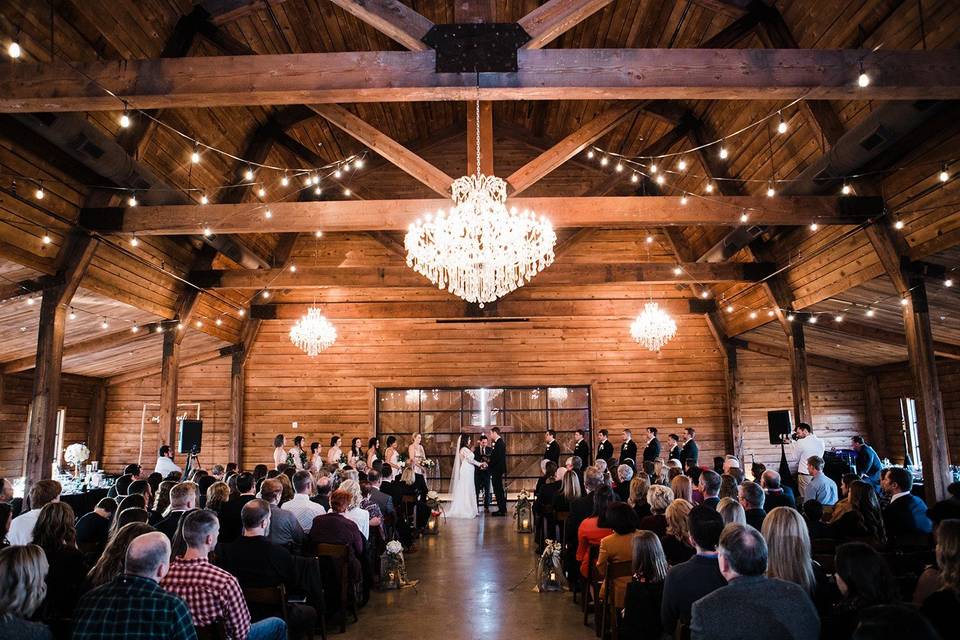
x=427, y=463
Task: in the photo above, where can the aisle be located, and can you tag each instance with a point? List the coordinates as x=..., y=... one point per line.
x=466, y=575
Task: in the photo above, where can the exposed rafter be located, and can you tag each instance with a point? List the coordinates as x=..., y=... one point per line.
x=553, y=18
x=392, y=18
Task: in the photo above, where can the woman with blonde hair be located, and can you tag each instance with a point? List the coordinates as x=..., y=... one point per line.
x=659, y=498
x=110, y=564
x=788, y=548
x=23, y=587
x=638, y=494
x=731, y=511
x=360, y=516
x=569, y=491
x=217, y=495
x=163, y=497
x=682, y=488
x=644, y=593
x=676, y=542
x=286, y=495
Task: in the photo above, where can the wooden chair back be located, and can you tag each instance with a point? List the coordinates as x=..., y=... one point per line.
x=616, y=571
x=274, y=598
x=339, y=556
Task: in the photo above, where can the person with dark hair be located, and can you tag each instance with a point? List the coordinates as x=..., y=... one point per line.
x=142, y=488
x=868, y=462
x=552, y=450
x=941, y=606
x=335, y=528
x=42, y=493
x=751, y=605
x=230, y=524
x=155, y=480
x=775, y=495
x=618, y=546
x=131, y=473
x=803, y=446
x=6, y=517
x=689, y=451
x=93, y=527
x=818, y=486
x=110, y=563
x=751, y=498
x=335, y=453
x=279, y=451
x=892, y=622
x=651, y=449
x=595, y=528
x=165, y=464
x=863, y=520
x=604, y=446
x=498, y=468
x=710, y=488
x=816, y=527
x=689, y=581
x=947, y=509
x=864, y=579
x=581, y=448
x=843, y=504
x=56, y=534
x=373, y=451
x=905, y=517
x=643, y=596
x=628, y=450
x=675, y=449
x=302, y=508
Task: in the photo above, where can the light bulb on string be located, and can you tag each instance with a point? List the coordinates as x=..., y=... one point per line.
x=315, y=179
x=729, y=308
x=104, y=324
x=261, y=192
x=207, y=232
x=308, y=181
x=661, y=179
x=869, y=313
x=619, y=167
x=346, y=166
x=73, y=314
x=293, y=268
x=782, y=125
x=317, y=190
x=135, y=329
x=845, y=190
x=944, y=174
x=46, y=239
x=705, y=294
x=179, y=326
x=30, y=301
x=682, y=165
x=337, y=174
x=812, y=320
x=838, y=318
x=132, y=200
x=653, y=168
x=347, y=192
x=14, y=50
x=683, y=199
x=723, y=153
x=814, y=226
x=268, y=214
x=265, y=294
x=125, y=120
x=771, y=191
x=863, y=80
x=634, y=178
x=677, y=271
x=898, y=224
x=948, y=282
x=39, y=192
x=285, y=181
x=649, y=239
x=241, y=312
x=790, y=317
x=134, y=242
x=903, y=302
x=218, y=322
x=159, y=328
x=204, y=199
x=753, y=315
x=199, y=323
x=248, y=174
x=318, y=234
x=358, y=163
x=770, y=313
x=195, y=156
x=604, y=161
x=744, y=217
x=709, y=187
x=590, y=154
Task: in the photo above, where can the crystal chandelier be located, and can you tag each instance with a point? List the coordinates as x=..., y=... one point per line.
x=313, y=332
x=653, y=328
x=480, y=250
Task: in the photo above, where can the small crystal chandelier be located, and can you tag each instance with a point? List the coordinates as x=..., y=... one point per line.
x=313, y=332
x=653, y=328
x=480, y=250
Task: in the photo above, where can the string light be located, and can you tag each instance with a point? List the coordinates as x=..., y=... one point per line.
x=744, y=217
x=838, y=318
x=358, y=163
x=845, y=190
x=46, y=239
x=248, y=174
x=285, y=181
x=207, y=232
x=346, y=192
x=863, y=80
x=135, y=329
x=315, y=179
x=318, y=234
x=104, y=324
x=199, y=323
x=73, y=314
x=337, y=174
x=604, y=161
x=869, y=313
x=308, y=181
x=195, y=156
x=649, y=239
x=590, y=154
x=898, y=224
x=159, y=328
x=179, y=326
x=125, y=120
x=634, y=178
x=241, y=312
x=771, y=313
x=132, y=200
x=903, y=302
x=265, y=294
x=683, y=199
x=812, y=320
x=790, y=317
x=677, y=271
x=709, y=187
x=729, y=308
x=653, y=168
x=218, y=322
x=682, y=164
x=204, y=199
x=661, y=179
x=30, y=301
x=14, y=50
x=619, y=167
x=723, y=153
x=782, y=126
x=753, y=315
x=705, y=294
x=293, y=268
x=944, y=174
x=771, y=191
x=134, y=242
x=948, y=282
x=39, y=192
x=261, y=192
x=814, y=226
x=317, y=190
x=268, y=214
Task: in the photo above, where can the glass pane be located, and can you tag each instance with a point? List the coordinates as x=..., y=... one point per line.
x=399, y=424
x=440, y=400
x=472, y=420
x=446, y=422
x=523, y=466
x=569, y=397
x=400, y=400
x=570, y=420
x=527, y=421
x=472, y=398
x=525, y=398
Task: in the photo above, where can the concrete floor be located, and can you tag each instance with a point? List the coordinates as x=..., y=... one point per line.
x=476, y=583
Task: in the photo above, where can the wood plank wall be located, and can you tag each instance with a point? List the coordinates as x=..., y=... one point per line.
x=76, y=396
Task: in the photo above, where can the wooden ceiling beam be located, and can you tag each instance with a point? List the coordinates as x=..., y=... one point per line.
x=392, y=18
x=553, y=18
x=93, y=345
x=886, y=336
x=824, y=362
x=486, y=138
x=548, y=74
x=386, y=147
x=155, y=369
x=224, y=11
x=12, y=290
x=563, y=212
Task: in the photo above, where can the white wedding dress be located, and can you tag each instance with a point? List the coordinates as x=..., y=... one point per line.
x=462, y=491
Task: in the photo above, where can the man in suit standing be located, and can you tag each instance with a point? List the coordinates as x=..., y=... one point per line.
x=868, y=462
x=580, y=448
x=498, y=468
x=552, y=451
x=652, y=450
x=674, y=452
x=605, y=448
x=905, y=518
x=752, y=605
x=481, y=476
x=628, y=450
x=690, y=452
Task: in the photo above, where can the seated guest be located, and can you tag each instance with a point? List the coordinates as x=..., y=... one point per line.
x=889, y=621
x=689, y=581
x=710, y=488
x=335, y=528
x=23, y=587
x=676, y=541
x=775, y=494
x=165, y=463
x=948, y=509
x=6, y=496
x=256, y=562
x=230, y=523
x=752, y=605
x=110, y=563
x=905, y=518
x=816, y=527
x=211, y=593
x=728, y=487
x=639, y=487
x=380, y=498
x=183, y=499
x=143, y=488
x=413, y=484
x=93, y=527
x=864, y=579
x=355, y=512
x=731, y=511
x=131, y=473
x=218, y=494
x=624, y=476
x=42, y=493
x=301, y=506
x=788, y=545
x=618, y=546
x=941, y=607
x=125, y=515
x=286, y=483
x=659, y=498
x=594, y=528
x=203, y=485
x=156, y=479
x=285, y=530
x=843, y=504
x=134, y=605
x=819, y=487
x=569, y=491
x=682, y=488
x=6, y=519
x=324, y=487
x=580, y=509
x=863, y=520
x=56, y=534
x=643, y=597
x=751, y=498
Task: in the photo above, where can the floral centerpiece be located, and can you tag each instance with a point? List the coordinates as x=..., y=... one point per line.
x=76, y=454
x=436, y=513
x=550, y=576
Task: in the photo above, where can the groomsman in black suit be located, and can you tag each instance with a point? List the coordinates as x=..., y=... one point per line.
x=652, y=450
x=498, y=468
x=628, y=450
x=581, y=449
x=605, y=448
x=481, y=477
x=690, y=451
x=674, y=452
x=552, y=451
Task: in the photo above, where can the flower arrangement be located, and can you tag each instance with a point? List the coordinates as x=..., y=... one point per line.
x=76, y=454
x=393, y=570
x=427, y=463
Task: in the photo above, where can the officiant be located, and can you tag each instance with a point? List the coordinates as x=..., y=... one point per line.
x=481, y=478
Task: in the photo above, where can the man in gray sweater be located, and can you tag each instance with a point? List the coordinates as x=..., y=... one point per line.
x=752, y=606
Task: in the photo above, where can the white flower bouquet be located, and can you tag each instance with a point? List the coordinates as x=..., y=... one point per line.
x=76, y=454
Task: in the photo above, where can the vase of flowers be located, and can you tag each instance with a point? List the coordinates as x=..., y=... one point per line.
x=76, y=454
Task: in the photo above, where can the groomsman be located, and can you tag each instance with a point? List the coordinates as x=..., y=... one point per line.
x=605, y=448
x=690, y=451
x=628, y=450
x=652, y=449
x=552, y=451
x=581, y=449
x=481, y=477
x=674, y=452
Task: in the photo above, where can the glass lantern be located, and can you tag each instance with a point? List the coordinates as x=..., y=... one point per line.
x=433, y=524
x=523, y=512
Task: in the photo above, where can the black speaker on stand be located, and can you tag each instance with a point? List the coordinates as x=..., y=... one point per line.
x=191, y=438
x=778, y=425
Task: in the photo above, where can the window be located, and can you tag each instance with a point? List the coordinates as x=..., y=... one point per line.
x=911, y=438
x=522, y=413
x=58, y=440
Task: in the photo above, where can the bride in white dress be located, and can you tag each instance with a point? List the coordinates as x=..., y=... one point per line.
x=462, y=490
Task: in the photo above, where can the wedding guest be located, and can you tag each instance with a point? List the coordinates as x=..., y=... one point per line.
x=373, y=451
x=710, y=488
x=143, y=488
x=324, y=488
x=23, y=588
x=165, y=464
x=546, y=488
x=6, y=518
x=659, y=498
x=731, y=511
x=302, y=508
x=751, y=498
x=94, y=527
x=639, y=487
x=889, y=621
x=751, y=605
x=594, y=528
x=217, y=496
x=286, y=486
x=843, y=504
x=285, y=529
x=816, y=527
x=42, y=493
x=134, y=605
x=689, y=581
x=728, y=487
x=110, y=563
x=676, y=540
x=580, y=509
x=941, y=606
x=776, y=494
x=6, y=496
x=335, y=528
x=624, y=476
x=569, y=491
x=819, y=487
x=359, y=516
x=675, y=449
x=211, y=593
x=682, y=488
x=56, y=534
x=864, y=580
x=163, y=496
x=862, y=520
x=279, y=451
x=230, y=516
x=947, y=509
x=183, y=499
x=618, y=546
x=131, y=473
x=905, y=518
x=334, y=453
x=602, y=466
x=643, y=598
x=788, y=545
x=804, y=446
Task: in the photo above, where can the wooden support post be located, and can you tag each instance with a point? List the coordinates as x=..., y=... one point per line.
x=934, y=448
x=169, y=374
x=237, y=389
x=734, y=412
x=799, y=382
x=874, y=411
x=98, y=419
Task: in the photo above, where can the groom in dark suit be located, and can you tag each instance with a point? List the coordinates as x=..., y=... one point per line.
x=498, y=468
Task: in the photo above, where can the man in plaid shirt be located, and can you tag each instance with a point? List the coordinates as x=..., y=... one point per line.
x=210, y=592
x=133, y=606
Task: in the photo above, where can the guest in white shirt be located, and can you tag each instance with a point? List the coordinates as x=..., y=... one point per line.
x=41, y=493
x=304, y=509
x=360, y=516
x=165, y=463
x=803, y=448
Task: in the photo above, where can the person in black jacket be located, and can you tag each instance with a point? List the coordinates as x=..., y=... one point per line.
x=580, y=448
x=776, y=495
x=183, y=499
x=751, y=498
x=675, y=450
x=628, y=450
x=230, y=523
x=905, y=518
x=651, y=451
x=605, y=448
x=690, y=452
x=579, y=510
x=498, y=468
x=868, y=462
x=552, y=450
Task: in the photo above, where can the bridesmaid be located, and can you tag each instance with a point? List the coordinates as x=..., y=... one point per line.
x=356, y=452
x=333, y=455
x=373, y=453
x=279, y=453
x=316, y=457
x=297, y=454
x=416, y=454
x=391, y=456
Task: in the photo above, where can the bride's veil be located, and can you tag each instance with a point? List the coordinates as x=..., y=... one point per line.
x=455, y=473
